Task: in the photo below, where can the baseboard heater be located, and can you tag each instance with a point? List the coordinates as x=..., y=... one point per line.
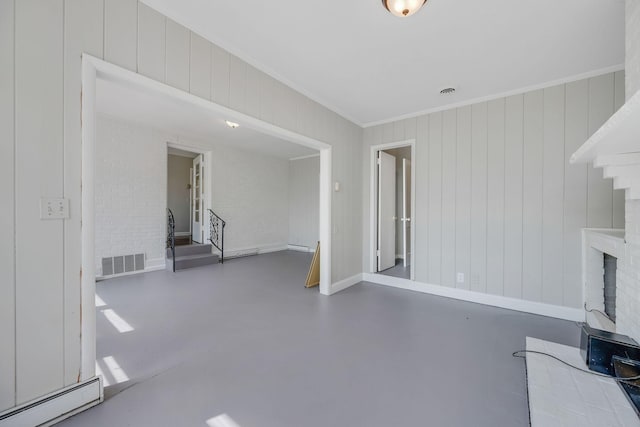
x=241, y=253
x=54, y=407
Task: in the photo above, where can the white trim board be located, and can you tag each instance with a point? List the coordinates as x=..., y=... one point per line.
x=299, y=248
x=310, y=156
x=55, y=407
x=346, y=283
x=559, y=312
x=253, y=250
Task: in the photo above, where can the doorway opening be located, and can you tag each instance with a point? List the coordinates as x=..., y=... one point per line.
x=205, y=116
x=186, y=194
x=393, y=204
x=181, y=185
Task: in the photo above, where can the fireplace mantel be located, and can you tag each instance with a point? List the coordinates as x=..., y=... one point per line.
x=615, y=147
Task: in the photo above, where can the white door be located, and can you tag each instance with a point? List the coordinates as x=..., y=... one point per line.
x=386, y=211
x=406, y=211
x=197, y=211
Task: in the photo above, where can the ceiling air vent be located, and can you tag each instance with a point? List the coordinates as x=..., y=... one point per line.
x=447, y=91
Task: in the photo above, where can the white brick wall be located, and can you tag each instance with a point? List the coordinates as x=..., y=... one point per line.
x=250, y=191
x=628, y=274
x=130, y=189
x=632, y=47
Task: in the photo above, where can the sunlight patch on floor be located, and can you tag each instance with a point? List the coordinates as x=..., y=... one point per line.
x=118, y=322
x=115, y=370
x=222, y=420
x=99, y=301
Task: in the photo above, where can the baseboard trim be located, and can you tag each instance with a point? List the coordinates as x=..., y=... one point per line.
x=559, y=312
x=182, y=233
x=255, y=250
x=300, y=248
x=55, y=407
x=346, y=283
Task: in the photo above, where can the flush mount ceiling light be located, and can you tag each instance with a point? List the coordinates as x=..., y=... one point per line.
x=403, y=8
x=232, y=125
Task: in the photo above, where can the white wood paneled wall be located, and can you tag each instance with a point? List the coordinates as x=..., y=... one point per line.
x=496, y=197
x=42, y=41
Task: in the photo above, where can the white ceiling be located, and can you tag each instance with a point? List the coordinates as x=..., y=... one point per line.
x=370, y=66
x=186, y=120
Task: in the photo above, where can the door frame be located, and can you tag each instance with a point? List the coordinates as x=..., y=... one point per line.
x=373, y=201
x=94, y=68
x=207, y=157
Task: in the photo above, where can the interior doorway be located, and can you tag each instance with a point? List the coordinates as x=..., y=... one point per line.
x=181, y=186
x=94, y=69
x=392, y=208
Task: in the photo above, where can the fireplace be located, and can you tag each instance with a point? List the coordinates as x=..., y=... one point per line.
x=601, y=250
x=609, y=277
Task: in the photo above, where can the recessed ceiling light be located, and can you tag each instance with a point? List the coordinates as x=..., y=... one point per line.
x=448, y=91
x=232, y=125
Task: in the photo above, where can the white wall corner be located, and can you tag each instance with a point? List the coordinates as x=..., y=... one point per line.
x=559, y=312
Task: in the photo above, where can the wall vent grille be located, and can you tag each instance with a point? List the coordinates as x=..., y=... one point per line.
x=120, y=264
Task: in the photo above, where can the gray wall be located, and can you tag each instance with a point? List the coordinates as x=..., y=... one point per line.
x=41, y=157
x=304, y=202
x=178, y=192
x=496, y=197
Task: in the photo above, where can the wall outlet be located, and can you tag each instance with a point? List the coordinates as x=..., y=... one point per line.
x=475, y=279
x=460, y=277
x=54, y=208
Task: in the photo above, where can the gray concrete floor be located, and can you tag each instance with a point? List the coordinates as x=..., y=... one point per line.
x=247, y=339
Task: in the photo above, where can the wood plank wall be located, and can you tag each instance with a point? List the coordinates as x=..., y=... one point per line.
x=496, y=198
x=42, y=40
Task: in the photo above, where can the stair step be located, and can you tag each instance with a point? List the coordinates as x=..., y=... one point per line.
x=195, y=249
x=189, y=261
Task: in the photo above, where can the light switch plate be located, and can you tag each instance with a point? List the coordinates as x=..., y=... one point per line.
x=54, y=208
x=460, y=277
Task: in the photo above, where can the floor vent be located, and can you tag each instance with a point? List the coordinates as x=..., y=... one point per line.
x=121, y=264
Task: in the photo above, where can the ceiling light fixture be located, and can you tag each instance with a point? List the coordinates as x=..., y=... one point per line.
x=403, y=8
x=232, y=125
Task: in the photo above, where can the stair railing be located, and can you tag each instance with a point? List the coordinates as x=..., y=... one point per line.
x=216, y=232
x=171, y=237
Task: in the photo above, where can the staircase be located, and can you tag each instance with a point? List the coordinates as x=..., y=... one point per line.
x=189, y=256
x=180, y=257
